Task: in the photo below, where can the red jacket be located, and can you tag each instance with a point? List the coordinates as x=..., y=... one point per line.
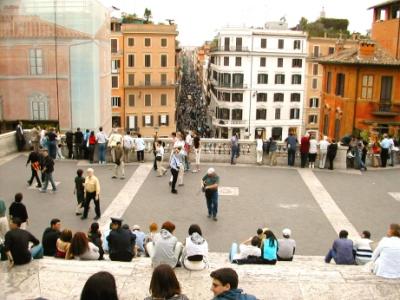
x=305, y=144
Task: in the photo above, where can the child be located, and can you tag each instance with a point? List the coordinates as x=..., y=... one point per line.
x=79, y=191
x=362, y=249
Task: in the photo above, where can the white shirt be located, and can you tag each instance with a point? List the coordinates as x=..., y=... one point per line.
x=259, y=146
x=387, y=258
x=313, y=146
x=189, y=140
x=139, y=142
x=128, y=141
x=101, y=137
x=323, y=145
x=195, y=249
x=3, y=228
x=246, y=251
x=160, y=152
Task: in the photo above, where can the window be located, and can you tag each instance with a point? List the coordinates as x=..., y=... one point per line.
x=226, y=44
x=263, y=43
x=237, y=97
x=114, y=45
x=115, y=65
x=281, y=44
x=328, y=82
x=147, y=100
x=278, y=97
x=163, y=120
x=131, y=79
x=36, y=61
x=262, y=79
x=279, y=78
x=296, y=79
x=262, y=97
x=386, y=88
x=148, y=120
x=314, y=102
x=315, y=83
x=115, y=101
x=223, y=113
x=132, y=122
x=297, y=63
x=238, y=61
x=277, y=113
x=312, y=119
x=147, y=60
x=239, y=44
x=261, y=114
x=237, y=80
x=163, y=100
x=316, y=51
x=147, y=79
x=225, y=79
x=315, y=69
x=367, y=86
x=340, y=78
x=131, y=42
x=163, y=60
x=294, y=113
x=131, y=60
x=163, y=79
x=263, y=61
x=331, y=50
x=131, y=100
x=147, y=42
x=296, y=44
x=114, y=82
x=295, y=97
x=226, y=60
x=277, y=133
x=236, y=114
x=225, y=97
x=116, y=121
x=280, y=62
x=163, y=42
x=39, y=107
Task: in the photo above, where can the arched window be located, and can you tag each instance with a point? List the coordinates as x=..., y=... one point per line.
x=39, y=107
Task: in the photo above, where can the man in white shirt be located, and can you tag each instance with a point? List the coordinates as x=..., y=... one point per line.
x=128, y=143
x=140, y=146
x=101, y=139
x=323, y=150
x=245, y=250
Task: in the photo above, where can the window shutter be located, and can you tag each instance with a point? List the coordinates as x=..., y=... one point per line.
x=151, y=120
x=127, y=125
x=159, y=120
x=144, y=121
x=167, y=120
x=136, y=122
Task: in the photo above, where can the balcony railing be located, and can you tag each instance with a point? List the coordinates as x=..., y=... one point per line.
x=385, y=110
x=151, y=84
x=223, y=85
x=230, y=49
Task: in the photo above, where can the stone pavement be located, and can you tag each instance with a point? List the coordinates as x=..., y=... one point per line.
x=307, y=277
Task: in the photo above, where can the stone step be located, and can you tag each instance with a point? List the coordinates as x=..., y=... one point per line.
x=306, y=277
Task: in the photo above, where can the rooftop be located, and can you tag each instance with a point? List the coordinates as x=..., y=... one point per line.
x=385, y=3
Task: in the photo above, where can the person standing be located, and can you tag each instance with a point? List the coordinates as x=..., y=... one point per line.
x=331, y=153
x=92, y=192
x=18, y=210
x=188, y=148
x=155, y=140
x=48, y=169
x=101, y=139
x=392, y=153
x=86, y=143
x=119, y=161
x=304, y=148
x=121, y=242
x=113, y=139
x=312, y=153
x=79, y=146
x=385, y=146
x=175, y=165
x=140, y=146
x=197, y=151
x=35, y=138
x=91, y=144
x=234, y=148
x=128, y=143
x=259, y=149
x=291, y=143
x=210, y=184
x=323, y=151
x=273, y=147
x=159, y=159
x=34, y=160
x=50, y=237
x=69, y=140
x=79, y=191
x=52, y=143
x=20, y=138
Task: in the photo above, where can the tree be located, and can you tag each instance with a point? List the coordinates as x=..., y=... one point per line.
x=303, y=24
x=147, y=15
x=128, y=18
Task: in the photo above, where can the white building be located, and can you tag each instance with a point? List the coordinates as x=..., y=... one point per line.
x=257, y=81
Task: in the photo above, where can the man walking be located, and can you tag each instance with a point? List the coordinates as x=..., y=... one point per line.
x=175, y=165
x=210, y=187
x=291, y=142
x=34, y=160
x=92, y=192
x=47, y=170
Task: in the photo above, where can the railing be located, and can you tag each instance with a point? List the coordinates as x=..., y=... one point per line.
x=222, y=85
x=141, y=84
x=230, y=49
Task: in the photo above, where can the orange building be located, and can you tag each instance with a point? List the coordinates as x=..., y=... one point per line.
x=361, y=85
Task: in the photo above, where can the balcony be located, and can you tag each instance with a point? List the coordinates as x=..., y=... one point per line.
x=228, y=123
x=151, y=84
x=230, y=49
x=385, y=110
x=228, y=86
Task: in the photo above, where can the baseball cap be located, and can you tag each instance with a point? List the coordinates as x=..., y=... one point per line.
x=211, y=171
x=286, y=232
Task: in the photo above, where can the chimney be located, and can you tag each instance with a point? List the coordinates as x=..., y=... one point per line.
x=366, y=49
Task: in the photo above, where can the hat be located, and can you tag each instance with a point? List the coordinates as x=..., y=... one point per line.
x=116, y=221
x=286, y=232
x=211, y=171
x=136, y=227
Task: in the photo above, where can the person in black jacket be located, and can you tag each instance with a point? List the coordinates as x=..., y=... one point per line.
x=69, y=136
x=34, y=160
x=79, y=143
x=50, y=236
x=94, y=236
x=331, y=154
x=18, y=210
x=48, y=169
x=121, y=242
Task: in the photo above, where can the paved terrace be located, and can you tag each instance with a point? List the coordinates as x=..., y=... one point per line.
x=315, y=204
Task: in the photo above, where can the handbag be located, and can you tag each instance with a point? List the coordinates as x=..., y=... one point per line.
x=35, y=165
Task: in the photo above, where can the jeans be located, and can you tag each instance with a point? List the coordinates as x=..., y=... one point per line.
x=35, y=175
x=291, y=156
x=52, y=149
x=140, y=155
x=48, y=177
x=233, y=251
x=303, y=157
x=37, y=251
x=174, y=178
x=331, y=254
x=234, y=153
x=89, y=197
x=212, y=202
x=102, y=152
x=361, y=164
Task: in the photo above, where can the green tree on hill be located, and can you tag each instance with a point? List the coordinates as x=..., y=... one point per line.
x=147, y=15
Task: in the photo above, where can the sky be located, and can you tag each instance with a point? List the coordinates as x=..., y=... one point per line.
x=199, y=21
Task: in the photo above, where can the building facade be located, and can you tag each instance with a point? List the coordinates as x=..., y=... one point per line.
x=256, y=82
x=45, y=74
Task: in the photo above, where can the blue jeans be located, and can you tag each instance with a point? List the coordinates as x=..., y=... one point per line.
x=331, y=254
x=212, y=203
x=52, y=146
x=48, y=177
x=291, y=156
x=234, y=153
x=233, y=251
x=37, y=251
x=102, y=152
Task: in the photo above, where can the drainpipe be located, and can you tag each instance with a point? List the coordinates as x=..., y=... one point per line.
x=355, y=99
